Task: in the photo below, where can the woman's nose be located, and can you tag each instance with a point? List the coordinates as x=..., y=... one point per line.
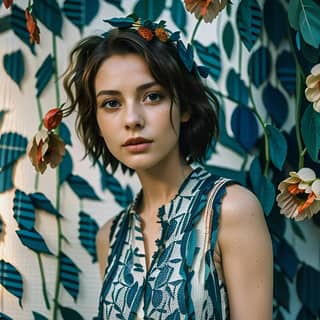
x=134, y=117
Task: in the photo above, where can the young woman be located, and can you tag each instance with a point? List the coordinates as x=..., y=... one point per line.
x=192, y=245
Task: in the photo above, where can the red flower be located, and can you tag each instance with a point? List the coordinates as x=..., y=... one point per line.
x=52, y=118
x=32, y=28
x=207, y=9
x=45, y=148
x=7, y=3
x=145, y=33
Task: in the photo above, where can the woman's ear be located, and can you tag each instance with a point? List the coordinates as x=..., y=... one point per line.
x=185, y=116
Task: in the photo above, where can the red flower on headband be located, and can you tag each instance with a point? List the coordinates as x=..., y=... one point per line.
x=32, y=27
x=207, y=9
x=145, y=33
x=52, y=118
x=7, y=3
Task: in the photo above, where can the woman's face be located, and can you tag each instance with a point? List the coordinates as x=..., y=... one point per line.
x=133, y=114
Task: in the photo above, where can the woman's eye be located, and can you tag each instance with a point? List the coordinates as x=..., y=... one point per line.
x=154, y=97
x=110, y=104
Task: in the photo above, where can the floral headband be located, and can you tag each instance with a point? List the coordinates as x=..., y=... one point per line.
x=150, y=30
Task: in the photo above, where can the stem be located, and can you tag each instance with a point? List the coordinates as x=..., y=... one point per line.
x=297, y=117
x=265, y=133
x=59, y=228
x=39, y=113
x=299, y=87
x=195, y=30
x=43, y=282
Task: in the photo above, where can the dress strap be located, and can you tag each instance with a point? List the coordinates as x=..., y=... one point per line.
x=212, y=212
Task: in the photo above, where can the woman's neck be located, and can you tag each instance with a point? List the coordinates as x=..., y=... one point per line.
x=160, y=186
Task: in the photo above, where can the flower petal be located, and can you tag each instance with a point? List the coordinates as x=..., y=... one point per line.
x=312, y=81
x=316, y=106
x=312, y=94
x=306, y=174
x=316, y=188
x=316, y=69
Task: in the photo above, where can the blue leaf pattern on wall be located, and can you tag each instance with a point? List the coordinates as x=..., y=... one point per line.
x=44, y=74
x=69, y=275
x=237, y=89
x=210, y=56
x=38, y=316
x=276, y=104
x=245, y=127
x=48, y=12
x=65, y=135
x=146, y=9
x=80, y=12
x=249, y=22
x=11, y=279
x=40, y=201
x=259, y=66
x=286, y=71
x=70, y=314
x=34, y=241
x=81, y=187
x=18, y=22
x=66, y=167
x=12, y=146
x=116, y=3
x=23, y=209
x=178, y=15
x=4, y=316
x=88, y=229
x=6, y=182
x=14, y=66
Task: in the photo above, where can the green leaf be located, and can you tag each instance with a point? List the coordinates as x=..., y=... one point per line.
x=278, y=146
x=38, y=316
x=44, y=74
x=294, y=9
x=5, y=24
x=70, y=314
x=48, y=12
x=14, y=66
x=262, y=186
x=310, y=128
x=178, y=15
x=249, y=22
x=33, y=240
x=309, y=23
x=80, y=12
x=228, y=39
x=18, y=24
x=11, y=279
x=149, y=9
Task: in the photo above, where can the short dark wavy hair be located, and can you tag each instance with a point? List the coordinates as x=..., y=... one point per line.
x=185, y=88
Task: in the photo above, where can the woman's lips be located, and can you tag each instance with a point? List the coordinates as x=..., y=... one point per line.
x=137, y=145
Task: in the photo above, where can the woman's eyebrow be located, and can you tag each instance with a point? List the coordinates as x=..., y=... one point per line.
x=140, y=88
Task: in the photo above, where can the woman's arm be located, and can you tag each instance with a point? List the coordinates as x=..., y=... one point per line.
x=247, y=258
x=102, y=244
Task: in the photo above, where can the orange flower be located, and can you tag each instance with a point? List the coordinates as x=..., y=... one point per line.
x=145, y=33
x=45, y=148
x=299, y=196
x=207, y=9
x=161, y=34
x=7, y=3
x=32, y=28
x=52, y=118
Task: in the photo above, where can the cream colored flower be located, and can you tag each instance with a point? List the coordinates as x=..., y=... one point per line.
x=299, y=196
x=312, y=91
x=207, y=9
x=45, y=148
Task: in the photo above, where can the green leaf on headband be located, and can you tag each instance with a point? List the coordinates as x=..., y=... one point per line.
x=120, y=22
x=186, y=55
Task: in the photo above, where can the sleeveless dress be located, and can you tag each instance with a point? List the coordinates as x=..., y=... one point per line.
x=182, y=281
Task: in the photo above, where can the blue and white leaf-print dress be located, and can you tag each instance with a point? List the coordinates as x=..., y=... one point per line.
x=182, y=281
